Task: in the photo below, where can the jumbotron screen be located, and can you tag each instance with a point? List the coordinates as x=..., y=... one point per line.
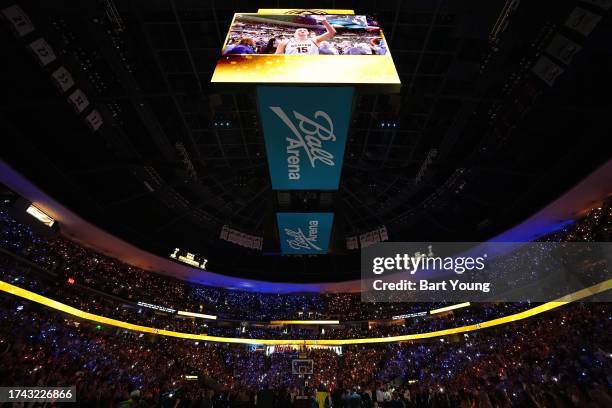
x=289, y=48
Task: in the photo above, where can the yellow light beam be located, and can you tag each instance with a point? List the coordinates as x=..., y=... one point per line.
x=451, y=307
x=26, y=294
x=192, y=314
x=305, y=322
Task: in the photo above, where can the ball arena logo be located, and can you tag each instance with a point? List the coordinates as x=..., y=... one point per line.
x=299, y=241
x=308, y=138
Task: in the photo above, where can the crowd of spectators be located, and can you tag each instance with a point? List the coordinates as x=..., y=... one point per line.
x=87, y=267
x=69, y=260
x=562, y=359
x=99, y=303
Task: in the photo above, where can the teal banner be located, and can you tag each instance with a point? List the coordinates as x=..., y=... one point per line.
x=304, y=233
x=305, y=130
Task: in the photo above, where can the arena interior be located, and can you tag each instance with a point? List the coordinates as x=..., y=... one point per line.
x=150, y=247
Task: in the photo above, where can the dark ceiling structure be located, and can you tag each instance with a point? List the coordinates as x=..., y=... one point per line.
x=477, y=140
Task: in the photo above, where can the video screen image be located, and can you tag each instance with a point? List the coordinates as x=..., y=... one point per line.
x=305, y=35
x=347, y=49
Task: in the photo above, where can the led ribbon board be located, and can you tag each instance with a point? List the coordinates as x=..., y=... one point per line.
x=54, y=304
x=304, y=233
x=305, y=132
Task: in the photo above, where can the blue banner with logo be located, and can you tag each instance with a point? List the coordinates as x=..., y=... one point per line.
x=305, y=131
x=304, y=233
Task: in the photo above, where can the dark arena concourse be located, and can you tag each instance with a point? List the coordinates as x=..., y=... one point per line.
x=347, y=204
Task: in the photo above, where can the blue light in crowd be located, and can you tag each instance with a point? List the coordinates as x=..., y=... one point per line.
x=530, y=230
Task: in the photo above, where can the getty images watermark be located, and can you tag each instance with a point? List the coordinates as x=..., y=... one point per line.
x=483, y=271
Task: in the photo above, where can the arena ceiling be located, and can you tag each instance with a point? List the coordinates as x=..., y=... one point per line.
x=480, y=141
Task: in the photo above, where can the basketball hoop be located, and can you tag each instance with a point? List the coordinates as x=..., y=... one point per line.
x=302, y=367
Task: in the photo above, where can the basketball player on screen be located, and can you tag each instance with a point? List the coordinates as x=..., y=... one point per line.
x=303, y=44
